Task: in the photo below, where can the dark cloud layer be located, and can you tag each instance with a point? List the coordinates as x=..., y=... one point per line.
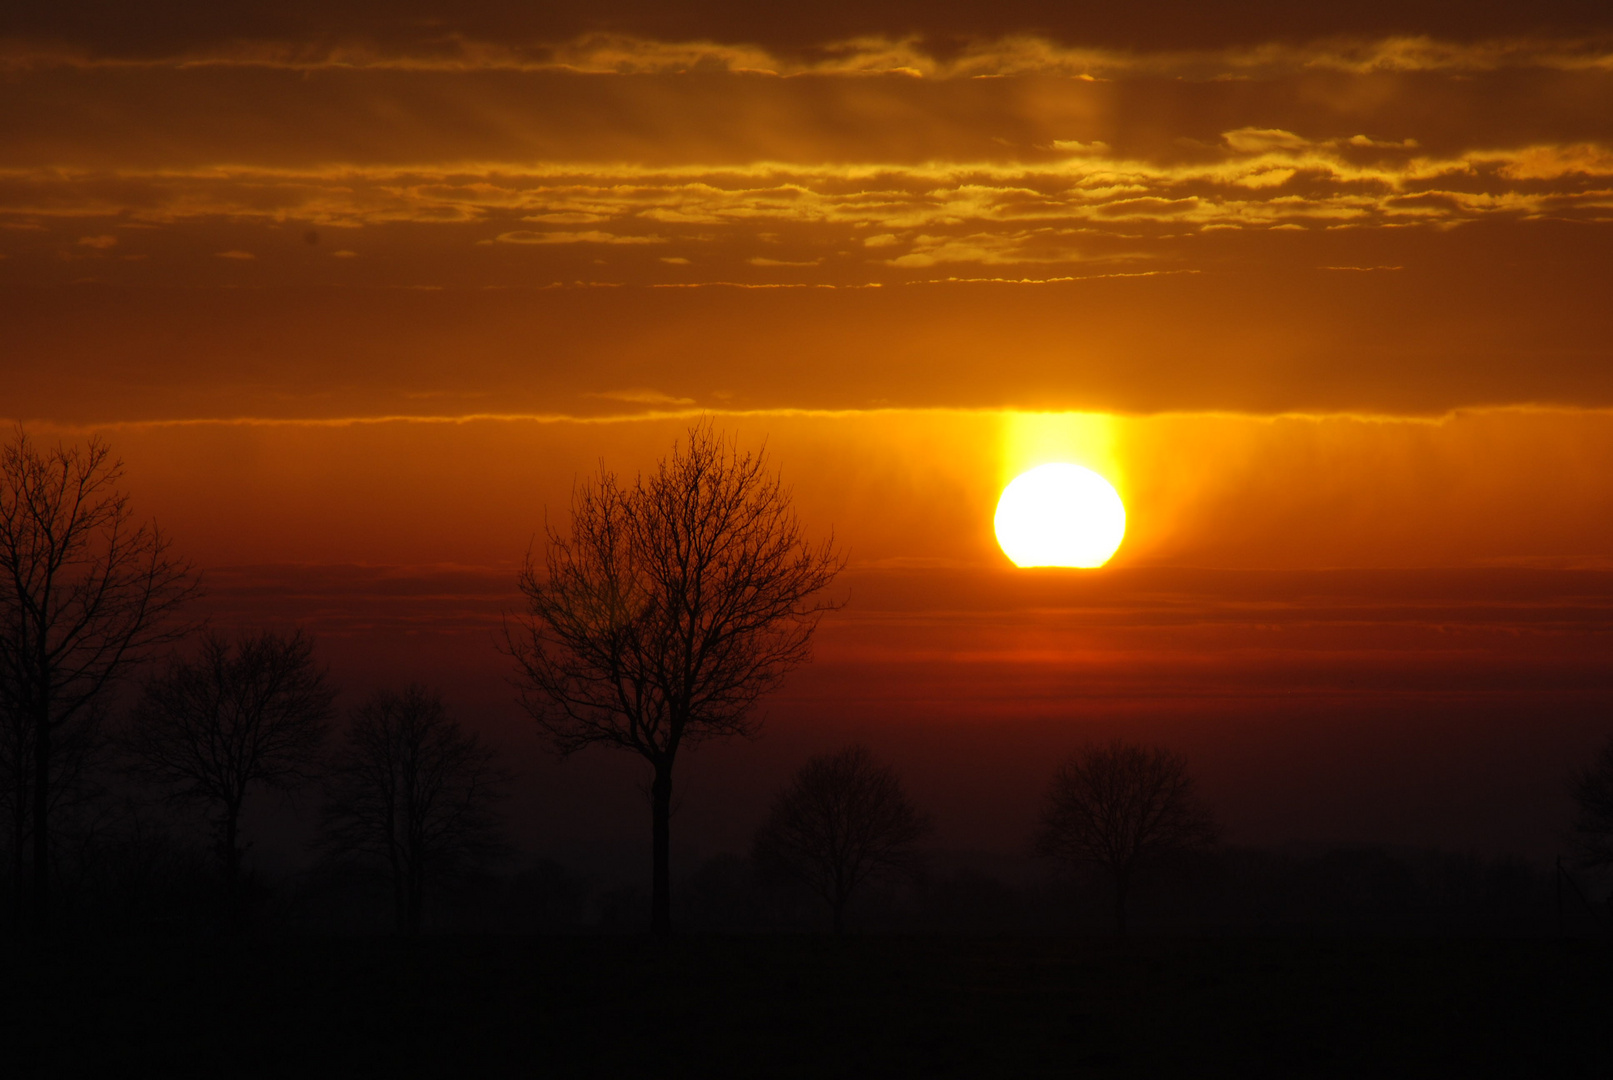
x=170, y=27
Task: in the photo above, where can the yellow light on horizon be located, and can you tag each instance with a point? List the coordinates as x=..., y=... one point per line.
x=1060, y=515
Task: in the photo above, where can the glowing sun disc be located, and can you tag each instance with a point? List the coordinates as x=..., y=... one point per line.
x=1060, y=515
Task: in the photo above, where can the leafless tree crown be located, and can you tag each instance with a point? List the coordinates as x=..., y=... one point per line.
x=1120, y=805
x=253, y=711
x=672, y=606
x=1592, y=791
x=86, y=592
x=412, y=791
x=842, y=818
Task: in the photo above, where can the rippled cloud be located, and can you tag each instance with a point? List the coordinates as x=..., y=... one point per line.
x=1075, y=206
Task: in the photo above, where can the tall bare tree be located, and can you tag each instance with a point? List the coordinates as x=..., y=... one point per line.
x=413, y=791
x=1120, y=807
x=252, y=713
x=673, y=605
x=1592, y=791
x=842, y=819
x=86, y=592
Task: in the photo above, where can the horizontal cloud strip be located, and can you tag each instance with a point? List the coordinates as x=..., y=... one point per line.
x=1011, y=55
x=891, y=215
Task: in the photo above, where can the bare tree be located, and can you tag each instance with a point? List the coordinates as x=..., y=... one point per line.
x=242, y=715
x=1120, y=807
x=86, y=592
x=1592, y=790
x=413, y=791
x=843, y=818
x=670, y=608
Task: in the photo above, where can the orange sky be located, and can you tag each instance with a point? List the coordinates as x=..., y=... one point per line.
x=357, y=293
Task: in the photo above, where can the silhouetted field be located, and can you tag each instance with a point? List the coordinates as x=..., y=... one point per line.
x=767, y=1005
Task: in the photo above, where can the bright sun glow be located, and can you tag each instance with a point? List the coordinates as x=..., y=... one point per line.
x=1060, y=515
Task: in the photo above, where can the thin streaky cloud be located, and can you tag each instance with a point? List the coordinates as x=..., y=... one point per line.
x=874, y=55
x=780, y=412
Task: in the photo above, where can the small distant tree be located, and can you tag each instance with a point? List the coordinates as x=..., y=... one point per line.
x=1121, y=807
x=253, y=713
x=843, y=819
x=86, y=593
x=1592, y=791
x=673, y=605
x=413, y=792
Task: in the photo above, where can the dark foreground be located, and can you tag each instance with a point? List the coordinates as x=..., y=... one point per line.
x=783, y=1006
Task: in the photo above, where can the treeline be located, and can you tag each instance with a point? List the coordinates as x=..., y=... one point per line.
x=1321, y=888
x=129, y=734
x=146, y=877
x=132, y=740
x=405, y=807
x=146, y=817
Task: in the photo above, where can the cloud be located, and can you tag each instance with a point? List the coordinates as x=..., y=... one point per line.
x=567, y=217
x=1551, y=162
x=526, y=236
x=98, y=242
x=1261, y=140
x=864, y=194
x=642, y=396
x=242, y=255
x=989, y=212
x=1032, y=167
x=1009, y=55
x=1075, y=147
x=987, y=249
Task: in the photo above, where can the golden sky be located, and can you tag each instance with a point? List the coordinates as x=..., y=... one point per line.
x=302, y=212
x=359, y=290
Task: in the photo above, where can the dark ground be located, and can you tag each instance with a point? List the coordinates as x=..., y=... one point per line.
x=802, y=1006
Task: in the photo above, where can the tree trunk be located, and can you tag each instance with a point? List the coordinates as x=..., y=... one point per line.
x=394, y=859
x=41, y=897
x=840, y=916
x=412, y=889
x=1120, y=904
x=232, y=871
x=19, y=842
x=660, y=833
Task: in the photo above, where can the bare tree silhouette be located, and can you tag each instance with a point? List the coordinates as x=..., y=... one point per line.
x=85, y=594
x=255, y=713
x=670, y=608
x=1119, y=807
x=843, y=818
x=413, y=791
x=1592, y=791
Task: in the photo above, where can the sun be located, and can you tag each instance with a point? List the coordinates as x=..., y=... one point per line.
x=1060, y=515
